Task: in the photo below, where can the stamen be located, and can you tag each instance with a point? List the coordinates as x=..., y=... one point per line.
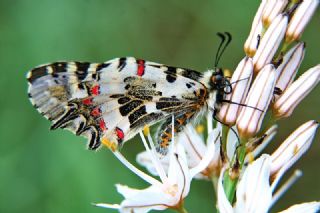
x=135, y=170
x=284, y=188
x=154, y=159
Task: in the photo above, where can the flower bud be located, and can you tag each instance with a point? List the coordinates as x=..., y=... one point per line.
x=300, y=19
x=270, y=42
x=252, y=41
x=257, y=102
x=296, y=92
x=292, y=149
x=241, y=80
x=288, y=69
x=272, y=9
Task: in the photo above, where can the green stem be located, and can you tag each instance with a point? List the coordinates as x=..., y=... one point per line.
x=182, y=209
x=231, y=178
x=225, y=131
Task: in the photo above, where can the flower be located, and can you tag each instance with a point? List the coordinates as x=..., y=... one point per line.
x=300, y=19
x=252, y=42
x=196, y=149
x=288, y=69
x=296, y=92
x=270, y=42
x=241, y=80
x=254, y=192
x=258, y=100
x=174, y=184
x=258, y=182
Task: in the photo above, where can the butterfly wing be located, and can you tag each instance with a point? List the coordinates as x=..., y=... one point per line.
x=115, y=99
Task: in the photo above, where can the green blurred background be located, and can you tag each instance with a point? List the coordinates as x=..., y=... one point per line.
x=51, y=171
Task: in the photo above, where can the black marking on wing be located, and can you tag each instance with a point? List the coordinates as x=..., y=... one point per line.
x=122, y=63
x=137, y=114
x=82, y=70
x=192, y=74
x=116, y=95
x=171, y=78
x=155, y=65
x=171, y=70
x=37, y=73
x=166, y=105
x=59, y=67
x=171, y=74
x=102, y=66
x=124, y=100
x=147, y=119
x=128, y=107
x=94, y=142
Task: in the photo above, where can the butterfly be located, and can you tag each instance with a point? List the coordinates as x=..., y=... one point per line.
x=111, y=102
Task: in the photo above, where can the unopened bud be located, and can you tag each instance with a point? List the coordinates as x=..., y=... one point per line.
x=296, y=92
x=241, y=80
x=300, y=19
x=293, y=147
x=257, y=102
x=288, y=69
x=270, y=42
x=272, y=9
x=253, y=39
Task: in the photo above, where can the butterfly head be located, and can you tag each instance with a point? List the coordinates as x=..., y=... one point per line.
x=219, y=82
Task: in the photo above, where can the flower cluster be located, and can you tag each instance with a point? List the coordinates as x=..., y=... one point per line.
x=245, y=180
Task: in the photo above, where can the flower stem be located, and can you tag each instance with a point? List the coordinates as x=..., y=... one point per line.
x=181, y=209
x=232, y=176
x=225, y=131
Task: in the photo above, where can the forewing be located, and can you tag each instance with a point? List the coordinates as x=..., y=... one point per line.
x=114, y=99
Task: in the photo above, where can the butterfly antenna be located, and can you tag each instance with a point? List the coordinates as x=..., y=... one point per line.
x=226, y=38
x=240, y=104
x=234, y=131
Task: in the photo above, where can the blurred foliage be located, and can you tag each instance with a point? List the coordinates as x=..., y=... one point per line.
x=50, y=171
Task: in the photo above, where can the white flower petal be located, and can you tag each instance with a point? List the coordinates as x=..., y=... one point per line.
x=178, y=174
x=254, y=192
x=193, y=144
x=144, y=200
x=311, y=207
x=143, y=158
x=207, y=158
x=292, y=149
x=108, y=206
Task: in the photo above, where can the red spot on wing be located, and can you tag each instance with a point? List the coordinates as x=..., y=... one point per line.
x=102, y=125
x=96, y=112
x=141, y=67
x=119, y=133
x=87, y=101
x=95, y=90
